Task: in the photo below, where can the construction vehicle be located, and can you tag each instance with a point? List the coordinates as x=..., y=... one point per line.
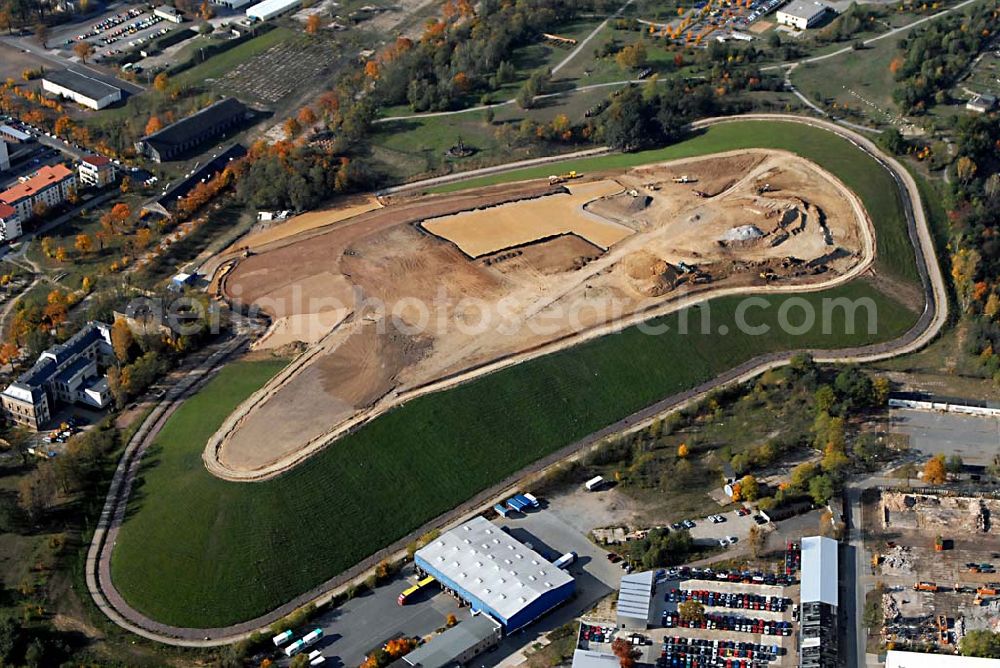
x=987, y=591
x=925, y=586
x=562, y=178
x=764, y=188
x=684, y=179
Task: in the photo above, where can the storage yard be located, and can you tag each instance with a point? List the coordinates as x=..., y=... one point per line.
x=596, y=247
x=937, y=557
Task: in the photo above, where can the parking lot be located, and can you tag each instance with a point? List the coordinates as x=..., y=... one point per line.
x=127, y=28
x=732, y=525
x=971, y=437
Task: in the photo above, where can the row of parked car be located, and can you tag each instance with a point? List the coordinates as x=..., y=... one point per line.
x=700, y=652
x=747, y=577
x=130, y=29
x=111, y=22
x=722, y=599
x=594, y=633
x=737, y=623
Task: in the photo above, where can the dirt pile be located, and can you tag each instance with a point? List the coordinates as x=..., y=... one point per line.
x=649, y=275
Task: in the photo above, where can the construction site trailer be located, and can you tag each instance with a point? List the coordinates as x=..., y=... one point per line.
x=594, y=483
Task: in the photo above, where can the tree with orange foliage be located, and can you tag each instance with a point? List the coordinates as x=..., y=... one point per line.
x=682, y=450
x=205, y=11
x=462, y=82
x=313, y=24
x=62, y=125
x=161, y=82
x=307, y=116
x=371, y=69
x=624, y=651
x=935, y=471
x=143, y=237
x=896, y=64
x=83, y=243
x=83, y=50
x=292, y=127
x=154, y=124
x=61, y=254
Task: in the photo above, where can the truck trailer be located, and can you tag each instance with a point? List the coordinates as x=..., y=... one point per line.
x=282, y=638
x=564, y=561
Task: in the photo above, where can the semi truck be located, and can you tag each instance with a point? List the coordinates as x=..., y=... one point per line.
x=532, y=500
x=412, y=591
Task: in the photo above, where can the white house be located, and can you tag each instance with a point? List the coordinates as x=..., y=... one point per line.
x=168, y=13
x=802, y=14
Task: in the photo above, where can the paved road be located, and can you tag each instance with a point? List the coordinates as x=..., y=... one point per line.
x=928, y=325
x=28, y=44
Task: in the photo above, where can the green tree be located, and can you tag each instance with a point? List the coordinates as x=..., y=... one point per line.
x=821, y=489
x=691, y=611
x=749, y=488
x=981, y=643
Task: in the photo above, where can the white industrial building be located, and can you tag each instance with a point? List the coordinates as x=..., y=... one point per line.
x=168, y=13
x=81, y=88
x=897, y=659
x=268, y=9
x=819, y=643
x=802, y=14
x=233, y=4
x=497, y=574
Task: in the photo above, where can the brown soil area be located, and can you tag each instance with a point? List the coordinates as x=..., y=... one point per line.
x=449, y=314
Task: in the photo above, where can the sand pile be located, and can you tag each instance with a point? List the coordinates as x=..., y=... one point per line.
x=648, y=274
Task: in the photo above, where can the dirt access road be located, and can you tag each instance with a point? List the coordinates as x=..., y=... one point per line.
x=531, y=268
x=929, y=324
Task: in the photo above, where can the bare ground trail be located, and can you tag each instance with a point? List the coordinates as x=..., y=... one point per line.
x=930, y=322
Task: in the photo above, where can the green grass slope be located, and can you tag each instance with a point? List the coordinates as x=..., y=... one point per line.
x=198, y=551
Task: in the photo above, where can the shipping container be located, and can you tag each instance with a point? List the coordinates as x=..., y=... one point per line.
x=514, y=504
x=503, y=511
x=525, y=501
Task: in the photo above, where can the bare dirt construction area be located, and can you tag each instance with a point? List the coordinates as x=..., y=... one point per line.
x=432, y=290
x=936, y=555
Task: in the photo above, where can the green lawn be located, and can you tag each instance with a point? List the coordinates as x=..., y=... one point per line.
x=198, y=551
x=858, y=171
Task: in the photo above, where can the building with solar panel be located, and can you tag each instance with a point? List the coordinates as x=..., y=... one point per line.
x=495, y=573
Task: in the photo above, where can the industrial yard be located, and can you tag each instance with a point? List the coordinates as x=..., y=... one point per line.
x=935, y=555
x=530, y=267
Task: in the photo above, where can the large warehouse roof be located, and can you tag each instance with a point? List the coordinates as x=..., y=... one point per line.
x=819, y=570
x=82, y=84
x=896, y=659
x=635, y=597
x=498, y=570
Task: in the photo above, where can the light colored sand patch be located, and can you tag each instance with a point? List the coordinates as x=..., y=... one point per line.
x=486, y=231
x=346, y=208
x=304, y=327
x=322, y=292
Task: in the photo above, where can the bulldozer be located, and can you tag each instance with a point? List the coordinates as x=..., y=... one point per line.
x=563, y=178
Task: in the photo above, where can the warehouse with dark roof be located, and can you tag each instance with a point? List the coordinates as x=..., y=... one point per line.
x=495, y=573
x=189, y=133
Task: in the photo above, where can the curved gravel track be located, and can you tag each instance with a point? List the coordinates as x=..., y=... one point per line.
x=98, y=565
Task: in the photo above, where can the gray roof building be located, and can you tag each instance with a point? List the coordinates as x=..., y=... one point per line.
x=635, y=600
x=458, y=644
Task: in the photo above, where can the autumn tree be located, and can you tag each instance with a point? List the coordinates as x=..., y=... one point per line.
x=161, y=82
x=83, y=243
x=755, y=539
x=61, y=254
x=313, y=24
x=371, y=69
x=62, y=125
x=622, y=649
x=122, y=340
x=632, y=57
x=47, y=248
x=935, y=470
x=154, y=124
x=749, y=487
x=205, y=11
x=292, y=127
x=41, y=33
x=143, y=237
x=306, y=116
x=83, y=50
x=683, y=450
x=451, y=620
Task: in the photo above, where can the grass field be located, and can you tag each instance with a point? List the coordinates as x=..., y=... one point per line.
x=219, y=64
x=198, y=551
x=858, y=171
